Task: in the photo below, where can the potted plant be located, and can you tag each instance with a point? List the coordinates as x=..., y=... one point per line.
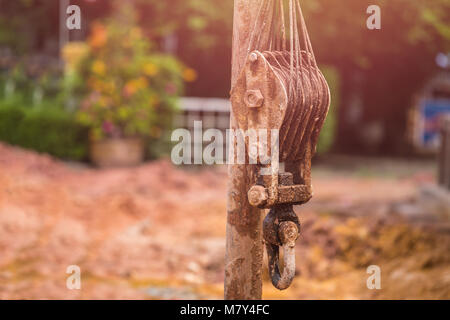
x=129, y=90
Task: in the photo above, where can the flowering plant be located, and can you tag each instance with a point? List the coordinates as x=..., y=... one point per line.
x=129, y=90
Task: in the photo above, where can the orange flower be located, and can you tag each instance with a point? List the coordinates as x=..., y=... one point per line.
x=130, y=89
x=132, y=86
x=98, y=36
x=189, y=75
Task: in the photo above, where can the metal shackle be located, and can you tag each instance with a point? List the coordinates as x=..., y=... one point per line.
x=281, y=227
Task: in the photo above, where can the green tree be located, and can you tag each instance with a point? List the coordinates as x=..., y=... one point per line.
x=386, y=67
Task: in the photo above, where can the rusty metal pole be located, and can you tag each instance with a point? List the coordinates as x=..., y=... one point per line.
x=244, y=246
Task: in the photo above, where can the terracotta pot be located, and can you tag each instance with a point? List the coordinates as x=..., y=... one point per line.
x=117, y=152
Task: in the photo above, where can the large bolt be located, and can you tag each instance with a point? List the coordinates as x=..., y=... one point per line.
x=257, y=196
x=253, y=98
x=288, y=233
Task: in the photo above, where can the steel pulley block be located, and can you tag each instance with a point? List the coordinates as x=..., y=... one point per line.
x=280, y=91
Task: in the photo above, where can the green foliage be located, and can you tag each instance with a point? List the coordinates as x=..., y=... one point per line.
x=340, y=34
x=202, y=23
x=10, y=119
x=32, y=115
x=380, y=69
x=46, y=130
x=328, y=133
x=129, y=90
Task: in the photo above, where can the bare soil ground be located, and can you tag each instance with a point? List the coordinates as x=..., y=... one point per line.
x=158, y=232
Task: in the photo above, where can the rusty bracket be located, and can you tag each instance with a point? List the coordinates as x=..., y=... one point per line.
x=286, y=192
x=258, y=196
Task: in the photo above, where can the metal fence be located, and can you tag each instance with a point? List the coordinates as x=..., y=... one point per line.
x=214, y=113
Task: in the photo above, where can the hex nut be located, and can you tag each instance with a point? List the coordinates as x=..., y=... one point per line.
x=253, y=57
x=257, y=196
x=253, y=98
x=288, y=232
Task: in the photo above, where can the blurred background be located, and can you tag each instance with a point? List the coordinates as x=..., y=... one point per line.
x=86, y=177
